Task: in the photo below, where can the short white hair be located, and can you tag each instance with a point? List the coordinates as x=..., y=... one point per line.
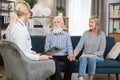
x=60, y=18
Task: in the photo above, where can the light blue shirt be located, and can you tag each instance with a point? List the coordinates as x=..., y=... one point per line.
x=95, y=46
x=61, y=41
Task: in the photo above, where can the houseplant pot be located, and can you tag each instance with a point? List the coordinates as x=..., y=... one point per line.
x=60, y=10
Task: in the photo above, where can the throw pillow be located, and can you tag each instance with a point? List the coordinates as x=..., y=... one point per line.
x=114, y=52
x=118, y=58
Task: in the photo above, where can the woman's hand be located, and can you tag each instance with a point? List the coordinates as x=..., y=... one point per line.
x=87, y=55
x=44, y=57
x=33, y=52
x=71, y=57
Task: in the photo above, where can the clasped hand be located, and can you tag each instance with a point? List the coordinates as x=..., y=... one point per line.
x=71, y=57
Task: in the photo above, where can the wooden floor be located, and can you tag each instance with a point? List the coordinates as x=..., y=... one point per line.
x=97, y=76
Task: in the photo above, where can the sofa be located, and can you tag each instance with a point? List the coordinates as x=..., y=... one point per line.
x=109, y=66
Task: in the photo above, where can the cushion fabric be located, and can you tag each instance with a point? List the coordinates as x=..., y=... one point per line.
x=108, y=64
x=114, y=52
x=118, y=58
x=38, y=43
x=110, y=42
x=19, y=67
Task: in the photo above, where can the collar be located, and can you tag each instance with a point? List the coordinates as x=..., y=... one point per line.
x=21, y=22
x=61, y=33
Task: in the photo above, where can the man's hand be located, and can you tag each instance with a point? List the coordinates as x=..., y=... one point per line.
x=71, y=57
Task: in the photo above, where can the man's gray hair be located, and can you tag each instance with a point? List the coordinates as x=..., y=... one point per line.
x=60, y=18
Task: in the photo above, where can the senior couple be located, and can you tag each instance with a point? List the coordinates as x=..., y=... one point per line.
x=92, y=41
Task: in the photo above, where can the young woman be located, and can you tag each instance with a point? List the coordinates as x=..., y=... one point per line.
x=93, y=42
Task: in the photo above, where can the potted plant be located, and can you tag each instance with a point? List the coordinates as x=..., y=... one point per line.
x=31, y=2
x=60, y=10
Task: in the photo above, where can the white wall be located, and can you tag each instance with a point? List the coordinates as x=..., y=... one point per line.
x=46, y=3
x=79, y=23
x=81, y=9
x=50, y=4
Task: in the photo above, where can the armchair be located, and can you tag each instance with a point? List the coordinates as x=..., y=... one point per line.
x=19, y=67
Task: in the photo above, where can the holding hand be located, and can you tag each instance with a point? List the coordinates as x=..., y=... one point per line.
x=71, y=57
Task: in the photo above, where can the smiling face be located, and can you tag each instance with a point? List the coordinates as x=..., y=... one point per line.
x=57, y=22
x=92, y=24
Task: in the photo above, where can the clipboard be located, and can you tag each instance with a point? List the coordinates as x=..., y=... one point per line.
x=52, y=51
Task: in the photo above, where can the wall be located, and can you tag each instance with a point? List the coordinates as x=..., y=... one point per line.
x=52, y=3
x=41, y=11
x=47, y=3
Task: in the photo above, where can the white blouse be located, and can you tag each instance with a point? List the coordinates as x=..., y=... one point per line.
x=20, y=36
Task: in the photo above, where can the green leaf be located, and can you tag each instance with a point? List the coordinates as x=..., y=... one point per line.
x=31, y=2
x=60, y=8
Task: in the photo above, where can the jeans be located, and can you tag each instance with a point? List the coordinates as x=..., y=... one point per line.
x=90, y=63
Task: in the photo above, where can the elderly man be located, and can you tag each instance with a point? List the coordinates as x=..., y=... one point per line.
x=61, y=39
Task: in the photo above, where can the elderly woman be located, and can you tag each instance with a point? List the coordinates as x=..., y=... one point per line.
x=93, y=43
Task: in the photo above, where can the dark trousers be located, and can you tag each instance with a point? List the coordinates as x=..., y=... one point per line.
x=68, y=68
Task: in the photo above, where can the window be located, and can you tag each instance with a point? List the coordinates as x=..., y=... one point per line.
x=78, y=12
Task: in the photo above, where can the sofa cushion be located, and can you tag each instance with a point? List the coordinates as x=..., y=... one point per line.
x=114, y=52
x=38, y=43
x=110, y=41
x=110, y=63
x=75, y=40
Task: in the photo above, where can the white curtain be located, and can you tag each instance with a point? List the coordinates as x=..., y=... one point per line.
x=78, y=12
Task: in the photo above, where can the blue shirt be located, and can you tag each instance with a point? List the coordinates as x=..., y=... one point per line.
x=61, y=41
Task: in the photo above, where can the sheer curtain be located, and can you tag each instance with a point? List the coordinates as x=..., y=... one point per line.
x=78, y=12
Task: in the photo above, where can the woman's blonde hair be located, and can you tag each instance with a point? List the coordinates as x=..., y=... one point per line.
x=20, y=9
x=97, y=23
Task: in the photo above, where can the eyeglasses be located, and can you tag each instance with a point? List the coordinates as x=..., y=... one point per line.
x=31, y=13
